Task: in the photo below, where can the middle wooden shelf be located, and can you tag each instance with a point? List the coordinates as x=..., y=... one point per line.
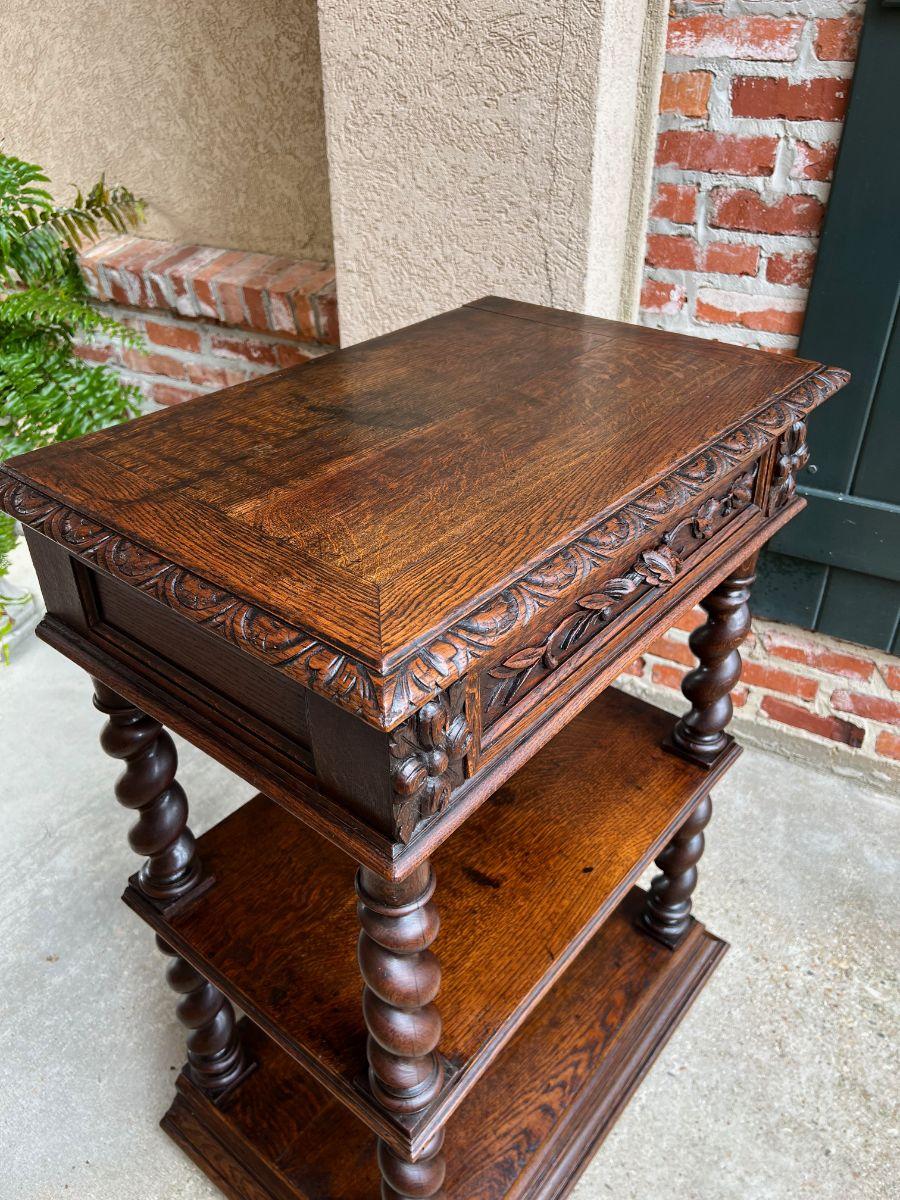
x=521, y=888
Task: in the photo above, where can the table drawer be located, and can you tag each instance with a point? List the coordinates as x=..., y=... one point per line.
x=584, y=628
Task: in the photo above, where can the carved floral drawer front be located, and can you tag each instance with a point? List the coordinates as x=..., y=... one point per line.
x=592, y=616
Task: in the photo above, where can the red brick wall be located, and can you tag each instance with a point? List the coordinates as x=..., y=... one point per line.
x=751, y=109
x=752, y=102
x=210, y=317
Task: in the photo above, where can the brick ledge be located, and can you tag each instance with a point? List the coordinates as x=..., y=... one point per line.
x=288, y=297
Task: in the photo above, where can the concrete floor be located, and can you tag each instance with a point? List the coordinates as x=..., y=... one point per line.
x=780, y=1084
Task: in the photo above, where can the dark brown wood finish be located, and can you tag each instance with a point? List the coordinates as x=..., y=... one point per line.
x=301, y=516
x=389, y=589
x=521, y=888
x=170, y=877
x=148, y=784
x=700, y=734
x=427, y=758
x=668, y=913
x=792, y=457
x=255, y=578
x=216, y=1057
x=525, y=1133
x=238, y=678
x=346, y=786
x=402, y=976
x=653, y=570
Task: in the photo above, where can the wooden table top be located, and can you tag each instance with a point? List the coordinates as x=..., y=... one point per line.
x=381, y=506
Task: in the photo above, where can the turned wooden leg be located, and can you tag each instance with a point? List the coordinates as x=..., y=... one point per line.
x=170, y=871
x=402, y=977
x=215, y=1056
x=700, y=737
x=700, y=734
x=419, y=1180
x=667, y=913
x=148, y=784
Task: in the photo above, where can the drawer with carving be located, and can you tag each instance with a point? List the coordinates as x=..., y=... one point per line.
x=600, y=626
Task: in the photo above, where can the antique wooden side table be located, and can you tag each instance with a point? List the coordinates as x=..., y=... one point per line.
x=388, y=588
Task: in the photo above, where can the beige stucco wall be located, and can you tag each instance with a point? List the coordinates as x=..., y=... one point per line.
x=477, y=146
x=210, y=109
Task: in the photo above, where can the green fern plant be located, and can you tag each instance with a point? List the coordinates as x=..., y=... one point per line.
x=48, y=393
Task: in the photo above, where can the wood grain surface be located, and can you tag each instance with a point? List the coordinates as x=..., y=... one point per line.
x=520, y=889
x=524, y=1133
x=371, y=495
x=459, y=533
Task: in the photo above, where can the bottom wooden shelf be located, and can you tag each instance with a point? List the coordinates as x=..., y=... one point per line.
x=525, y=1132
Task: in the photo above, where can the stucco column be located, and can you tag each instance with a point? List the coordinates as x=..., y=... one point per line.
x=478, y=146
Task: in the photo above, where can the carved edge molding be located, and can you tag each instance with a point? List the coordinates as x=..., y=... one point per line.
x=300, y=655
x=655, y=568
x=478, y=634
x=386, y=700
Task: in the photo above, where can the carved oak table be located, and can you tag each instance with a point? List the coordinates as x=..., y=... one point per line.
x=388, y=588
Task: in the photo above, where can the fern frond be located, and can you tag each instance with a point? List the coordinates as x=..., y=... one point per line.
x=63, y=312
x=17, y=179
x=35, y=233
x=73, y=224
x=7, y=541
x=49, y=395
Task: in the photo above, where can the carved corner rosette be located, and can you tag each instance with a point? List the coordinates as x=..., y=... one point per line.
x=427, y=758
x=793, y=455
x=653, y=569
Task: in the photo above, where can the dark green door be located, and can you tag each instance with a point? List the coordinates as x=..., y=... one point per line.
x=836, y=567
